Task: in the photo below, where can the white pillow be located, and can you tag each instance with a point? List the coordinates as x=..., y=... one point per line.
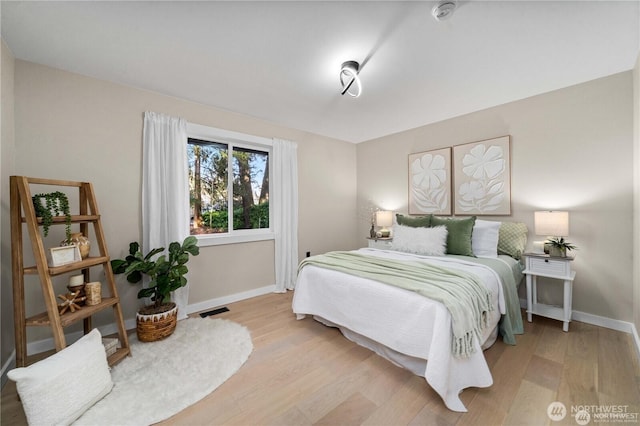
x=58, y=389
x=484, y=239
x=425, y=241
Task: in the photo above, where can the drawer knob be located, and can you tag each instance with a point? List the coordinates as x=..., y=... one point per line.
x=546, y=261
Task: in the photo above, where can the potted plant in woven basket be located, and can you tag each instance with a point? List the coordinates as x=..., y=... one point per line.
x=167, y=273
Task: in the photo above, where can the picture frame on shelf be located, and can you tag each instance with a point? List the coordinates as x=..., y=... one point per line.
x=64, y=255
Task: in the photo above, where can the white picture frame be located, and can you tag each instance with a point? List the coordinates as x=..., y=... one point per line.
x=482, y=177
x=430, y=182
x=64, y=255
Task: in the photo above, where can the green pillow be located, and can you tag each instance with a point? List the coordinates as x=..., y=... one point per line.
x=414, y=222
x=512, y=239
x=458, y=234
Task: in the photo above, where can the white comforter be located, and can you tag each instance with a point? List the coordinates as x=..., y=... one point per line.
x=402, y=320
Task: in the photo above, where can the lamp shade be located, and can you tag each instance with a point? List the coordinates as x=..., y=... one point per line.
x=552, y=223
x=384, y=218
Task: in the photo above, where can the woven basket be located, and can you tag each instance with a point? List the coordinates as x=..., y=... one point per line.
x=154, y=327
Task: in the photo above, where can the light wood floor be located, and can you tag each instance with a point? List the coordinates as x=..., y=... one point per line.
x=303, y=373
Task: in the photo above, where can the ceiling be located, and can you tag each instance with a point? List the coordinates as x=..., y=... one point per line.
x=279, y=61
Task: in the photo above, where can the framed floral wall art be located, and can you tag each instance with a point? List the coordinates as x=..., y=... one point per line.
x=482, y=177
x=430, y=182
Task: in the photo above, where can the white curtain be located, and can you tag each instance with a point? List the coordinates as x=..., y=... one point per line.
x=285, y=211
x=165, y=188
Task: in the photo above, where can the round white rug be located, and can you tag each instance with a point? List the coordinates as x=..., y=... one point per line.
x=162, y=378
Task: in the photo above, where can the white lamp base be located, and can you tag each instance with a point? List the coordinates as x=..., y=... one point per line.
x=538, y=247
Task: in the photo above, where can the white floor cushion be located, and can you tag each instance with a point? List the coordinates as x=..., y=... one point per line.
x=58, y=389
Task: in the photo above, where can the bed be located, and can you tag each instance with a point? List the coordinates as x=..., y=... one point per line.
x=408, y=328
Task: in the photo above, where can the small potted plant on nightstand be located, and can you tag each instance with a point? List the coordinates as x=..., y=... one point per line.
x=167, y=273
x=558, y=246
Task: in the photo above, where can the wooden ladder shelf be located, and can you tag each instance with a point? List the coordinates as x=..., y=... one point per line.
x=23, y=213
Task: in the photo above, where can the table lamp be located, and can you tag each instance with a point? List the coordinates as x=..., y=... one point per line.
x=551, y=224
x=383, y=219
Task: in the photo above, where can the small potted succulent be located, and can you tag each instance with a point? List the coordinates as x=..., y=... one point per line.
x=558, y=246
x=167, y=273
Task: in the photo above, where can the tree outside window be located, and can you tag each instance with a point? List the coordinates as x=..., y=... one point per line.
x=213, y=201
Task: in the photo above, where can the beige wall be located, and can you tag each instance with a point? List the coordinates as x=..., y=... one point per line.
x=74, y=127
x=571, y=149
x=7, y=63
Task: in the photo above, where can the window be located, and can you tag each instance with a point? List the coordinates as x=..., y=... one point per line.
x=250, y=189
x=228, y=186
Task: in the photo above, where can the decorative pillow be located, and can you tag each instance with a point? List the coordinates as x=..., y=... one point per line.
x=484, y=240
x=414, y=222
x=58, y=389
x=513, y=239
x=424, y=241
x=459, y=234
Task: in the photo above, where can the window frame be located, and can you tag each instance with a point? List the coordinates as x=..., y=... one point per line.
x=239, y=140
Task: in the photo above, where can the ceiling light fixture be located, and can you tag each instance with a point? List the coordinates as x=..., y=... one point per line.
x=349, y=79
x=443, y=10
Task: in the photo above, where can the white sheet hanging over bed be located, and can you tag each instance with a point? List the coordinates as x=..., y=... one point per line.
x=402, y=320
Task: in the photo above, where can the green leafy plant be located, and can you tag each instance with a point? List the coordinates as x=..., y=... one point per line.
x=561, y=244
x=49, y=204
x=167, y=272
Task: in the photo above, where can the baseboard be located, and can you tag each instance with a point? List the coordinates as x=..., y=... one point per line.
x=613, y=324
x=605, y=322
x=219, y=301
x=8, y=365
x=636, y=339
x=625, y=327
x=47, y=344
x=130, y=324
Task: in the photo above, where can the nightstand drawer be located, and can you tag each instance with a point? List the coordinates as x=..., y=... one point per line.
x=380, y=243
x=545, y=266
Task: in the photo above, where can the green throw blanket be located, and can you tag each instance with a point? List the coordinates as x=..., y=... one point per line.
x=511, y=322
x=462, y=293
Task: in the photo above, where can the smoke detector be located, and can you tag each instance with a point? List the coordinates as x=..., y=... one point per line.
x=443, y=10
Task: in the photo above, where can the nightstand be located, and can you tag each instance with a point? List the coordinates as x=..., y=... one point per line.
x=559, y=268
x=379, y=243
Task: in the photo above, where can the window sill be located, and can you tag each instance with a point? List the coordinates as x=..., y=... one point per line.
x=218, y=240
